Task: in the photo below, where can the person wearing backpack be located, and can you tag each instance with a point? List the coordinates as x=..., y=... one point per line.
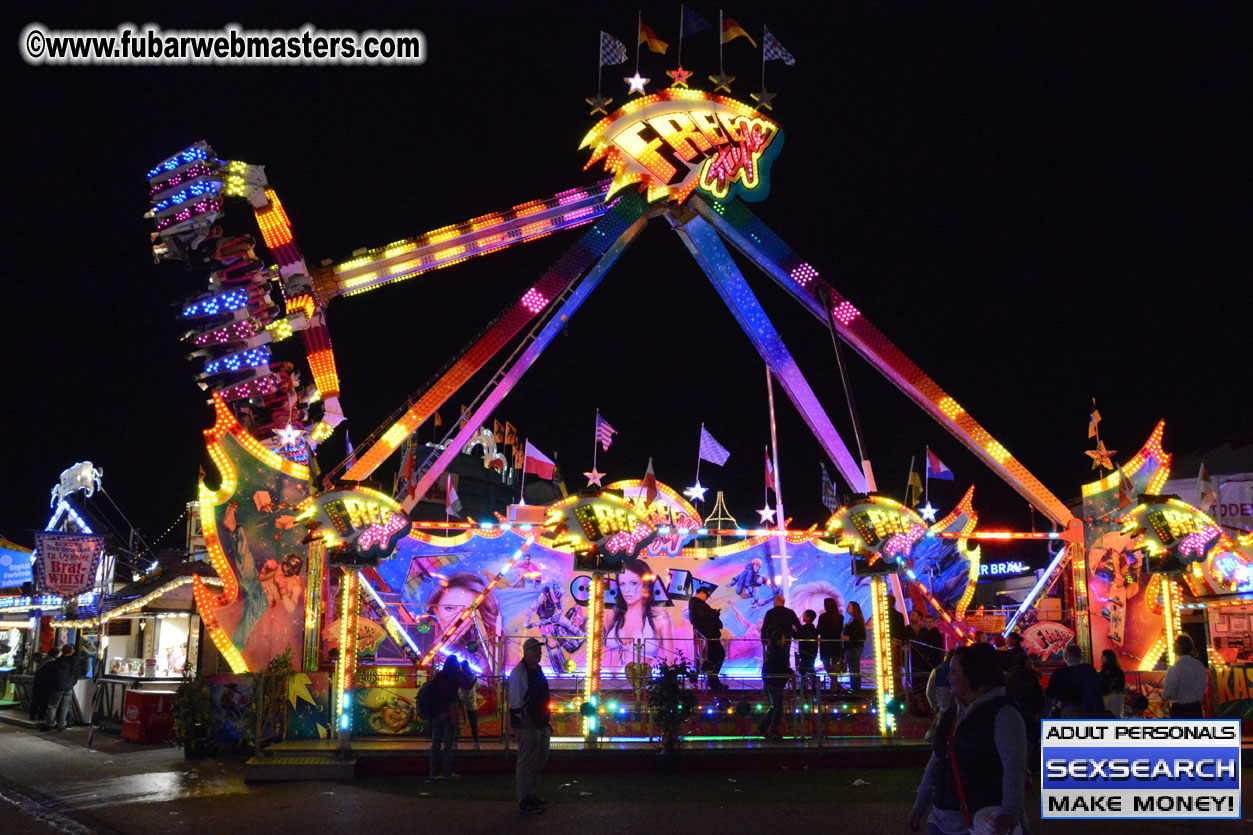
x=529, y=718
x=443, y=698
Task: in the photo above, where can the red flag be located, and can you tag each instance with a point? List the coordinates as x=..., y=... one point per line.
x=452, y=504
x=439, y=421
x=769, y=471
x=406, y=472
x=650, y=485
x=538, y=463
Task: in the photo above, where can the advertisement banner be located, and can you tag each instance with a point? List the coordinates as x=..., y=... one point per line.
x=15, y=568
x=1140, y=769
x=65, y=563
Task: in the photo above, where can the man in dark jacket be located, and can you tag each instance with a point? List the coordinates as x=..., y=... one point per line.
x=830, y=637
x=707, y=622
x=64, y=675
x=779, y=620
x=775, y=672
x=447, y=684
x=41, y=688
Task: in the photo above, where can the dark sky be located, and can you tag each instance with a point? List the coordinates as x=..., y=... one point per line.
x=1038, y=204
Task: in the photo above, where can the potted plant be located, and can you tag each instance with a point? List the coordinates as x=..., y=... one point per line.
x=671, y=703
x=191, y=716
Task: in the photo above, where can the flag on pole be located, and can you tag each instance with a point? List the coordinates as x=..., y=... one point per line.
x=538, y=463
x=604, y=432
x=407, y=482
x=649, y=38
x=915, y=488
x=711, y=450
x=351, y=456
x=612, y=50
x=732, y=30
x=511, y=434
x=829, y=499
x=519, y=457
x=650, y=485
x=439, y=421
x=1124, y=491
x=936, y=468
x=769, y=471
x=1093, y=420
x=693, y=24
x=498, y=431
x=452, y=503
x=465, y=416
x=773, y=50
x=1206, y=490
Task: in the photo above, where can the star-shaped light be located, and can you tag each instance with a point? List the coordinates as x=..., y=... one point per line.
x=288, y=435
x=764, y=98
x=722, y=81
x=680, y=76
x=766, y=514
x=696, y=492
x=594, y=477
x=1101, y=456
x=927, y=512
x=637, y=83
x=598, y=103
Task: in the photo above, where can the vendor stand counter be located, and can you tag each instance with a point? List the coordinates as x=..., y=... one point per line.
x=112, y=690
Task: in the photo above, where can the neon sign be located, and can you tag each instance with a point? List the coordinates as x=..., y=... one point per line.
x=877, y=528
x=1170, y=532
x=676, y=141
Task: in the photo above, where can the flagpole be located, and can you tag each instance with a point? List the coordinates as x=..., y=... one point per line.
x=778, y=492
x=600, y=65
x=721, y=71
x=764, y=32
x=595, y=429
x=680, y=54
x=909, y=480
x=447, y=488
x=639, y=30
x=522, y=481
x=698, y=440
x=927, y=477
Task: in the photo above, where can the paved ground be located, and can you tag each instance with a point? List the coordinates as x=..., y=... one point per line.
x=53, y=783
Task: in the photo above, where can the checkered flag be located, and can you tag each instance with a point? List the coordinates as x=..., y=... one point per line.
x=771, y=49
x=710, y=449
x=612, y=50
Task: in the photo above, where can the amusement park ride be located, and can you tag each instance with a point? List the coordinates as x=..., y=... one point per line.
x=694, y=160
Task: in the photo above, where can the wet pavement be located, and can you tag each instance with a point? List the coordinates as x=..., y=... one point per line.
x=52, y=783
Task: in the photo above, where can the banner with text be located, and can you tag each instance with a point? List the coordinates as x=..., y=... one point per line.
x=1160, y=769
x=65, y=563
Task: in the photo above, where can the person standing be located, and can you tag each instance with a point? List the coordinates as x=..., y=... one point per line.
x=41, y=687
x=855, y=644
x=1076, y=687
x=831, y=638
x=529, y=718
x=807, y=651
x=1113, y=683
x=979, y=756
x=775, y=673
x=470, y=701
x=707, y=622
x=447, y=684
x=779, y=620
x=63, y=677
x=1186, y=681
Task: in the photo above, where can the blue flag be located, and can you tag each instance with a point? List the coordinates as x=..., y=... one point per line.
x=692, y=23
x=612, y=50
x=773, y=50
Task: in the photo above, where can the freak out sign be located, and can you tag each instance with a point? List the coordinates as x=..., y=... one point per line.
x=601, y=531
x=676, y=141
x=1170, y=532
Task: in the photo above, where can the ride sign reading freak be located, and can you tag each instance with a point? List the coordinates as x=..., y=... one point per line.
x=675, y=141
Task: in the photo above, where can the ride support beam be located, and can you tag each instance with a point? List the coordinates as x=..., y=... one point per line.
x=703, y=242
x=802, y=281
x=595, y=243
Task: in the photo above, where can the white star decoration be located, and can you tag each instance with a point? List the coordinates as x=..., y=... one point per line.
x=289, y=435
x=594, y=477
x=927, y=512
x=696, y=492
x=766, y=514
x=637, y=83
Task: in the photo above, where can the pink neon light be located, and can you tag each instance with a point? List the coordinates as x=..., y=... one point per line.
x=578, y=213
x=571, y=196
x=845, y=313
x=803, y=274
x=625, y=542
x=1195, y=542
x=900, y=544
x=377, y=534
x=534, y=301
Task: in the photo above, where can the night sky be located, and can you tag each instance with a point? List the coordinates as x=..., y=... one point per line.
x=1039, y=206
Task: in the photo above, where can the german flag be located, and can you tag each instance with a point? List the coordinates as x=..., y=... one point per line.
x=732, y=30
x=649, y=38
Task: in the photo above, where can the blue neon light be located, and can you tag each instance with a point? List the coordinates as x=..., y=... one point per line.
x=214, y=305
x=251, y=358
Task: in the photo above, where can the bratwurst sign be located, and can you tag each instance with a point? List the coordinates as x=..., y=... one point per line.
x=65, y=563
